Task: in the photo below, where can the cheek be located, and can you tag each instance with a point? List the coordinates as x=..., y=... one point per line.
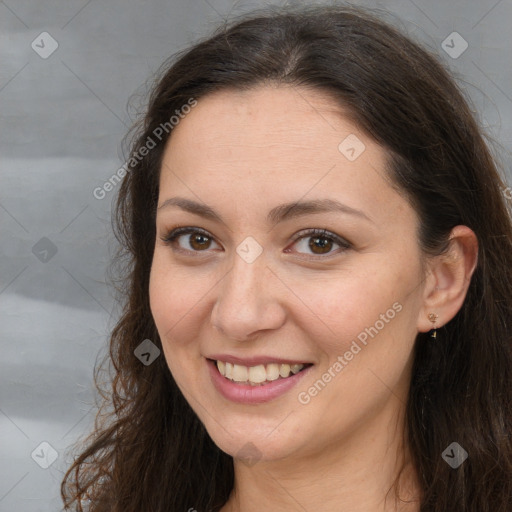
x=366, y=334
x=170, y=303
x=342, y=307
x=174, y=300
x=176, y=296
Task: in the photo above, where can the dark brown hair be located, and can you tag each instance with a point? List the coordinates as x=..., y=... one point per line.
x=149, y=451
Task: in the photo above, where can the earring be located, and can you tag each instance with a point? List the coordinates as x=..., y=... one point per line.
x=433, y=318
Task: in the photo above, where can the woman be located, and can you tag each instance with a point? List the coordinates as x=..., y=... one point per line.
x=319, y=284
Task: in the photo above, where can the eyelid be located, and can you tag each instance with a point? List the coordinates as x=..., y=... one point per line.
x=174, y=233
x=321, y=232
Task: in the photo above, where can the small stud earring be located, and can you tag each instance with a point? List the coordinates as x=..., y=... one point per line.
x=433, y=318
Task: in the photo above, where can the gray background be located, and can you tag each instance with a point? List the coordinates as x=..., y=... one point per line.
x=63, y=118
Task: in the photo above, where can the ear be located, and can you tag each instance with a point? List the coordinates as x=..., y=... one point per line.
x=448, y=278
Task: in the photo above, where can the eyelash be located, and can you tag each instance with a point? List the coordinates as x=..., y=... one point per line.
x=173, y=234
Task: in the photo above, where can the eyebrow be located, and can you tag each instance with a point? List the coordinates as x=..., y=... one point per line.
x=278, y=214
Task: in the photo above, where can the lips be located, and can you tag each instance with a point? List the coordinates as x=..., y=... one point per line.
x=251, y=392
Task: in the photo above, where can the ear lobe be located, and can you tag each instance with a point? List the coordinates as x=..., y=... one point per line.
x=450, y=274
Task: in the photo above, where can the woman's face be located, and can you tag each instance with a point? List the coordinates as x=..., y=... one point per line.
x=250, y=283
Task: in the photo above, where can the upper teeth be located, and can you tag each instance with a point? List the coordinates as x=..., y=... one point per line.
x=257, y=374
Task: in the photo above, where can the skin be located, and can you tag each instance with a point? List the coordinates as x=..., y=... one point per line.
x=244, y=153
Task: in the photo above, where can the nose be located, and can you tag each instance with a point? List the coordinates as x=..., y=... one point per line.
x=248, y=301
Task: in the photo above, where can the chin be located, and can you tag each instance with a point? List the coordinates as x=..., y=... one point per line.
x=251, y=441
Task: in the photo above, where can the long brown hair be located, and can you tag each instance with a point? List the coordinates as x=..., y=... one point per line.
x=149, y=452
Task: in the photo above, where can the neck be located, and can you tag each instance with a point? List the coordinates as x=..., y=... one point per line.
x=355, y=474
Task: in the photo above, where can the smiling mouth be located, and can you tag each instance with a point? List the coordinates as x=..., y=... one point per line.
x=258, y=375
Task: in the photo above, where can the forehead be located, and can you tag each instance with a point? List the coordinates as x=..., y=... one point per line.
x=272, y=144
x=265, y=115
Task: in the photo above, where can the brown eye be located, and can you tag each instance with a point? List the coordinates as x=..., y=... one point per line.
x=323, y=244
x=199, y=241
x=196, y=241
x=319, y=242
